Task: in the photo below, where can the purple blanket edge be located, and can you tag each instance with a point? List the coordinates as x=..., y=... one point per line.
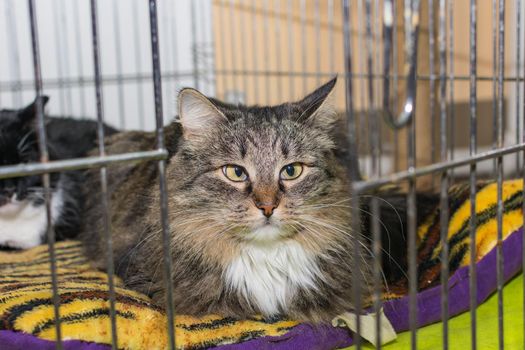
x=326, y=337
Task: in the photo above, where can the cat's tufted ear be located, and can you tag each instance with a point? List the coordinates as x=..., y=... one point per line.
x=28, y=114
x=317, y=107
x=197, y=114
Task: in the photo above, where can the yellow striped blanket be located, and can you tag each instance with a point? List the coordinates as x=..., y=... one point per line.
x=26, y=305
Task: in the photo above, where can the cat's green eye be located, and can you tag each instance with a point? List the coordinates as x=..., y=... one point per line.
x=235, y=173
x=291, y=171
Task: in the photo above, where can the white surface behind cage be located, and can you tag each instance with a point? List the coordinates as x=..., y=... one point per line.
x=66, y=55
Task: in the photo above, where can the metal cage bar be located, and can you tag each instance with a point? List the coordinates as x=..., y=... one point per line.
x=412, y=245
x=356, y=290
x=472, y=151
x=363, y=115
x=499, y=168
x=103, y=174
x=159, y=118
x=374, y=128
x=44, y=158
x=518, y=6
x=444, y=208
x=523, y=201
x=377, y=268
x=451, y=81
x=432, y=81
x=523, y=205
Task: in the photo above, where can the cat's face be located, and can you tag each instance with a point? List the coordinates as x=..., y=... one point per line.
x=18, y=145
x=260, y=174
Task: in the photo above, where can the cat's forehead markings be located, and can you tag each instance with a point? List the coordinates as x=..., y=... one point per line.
x=285, y=148
x=242, y=148
x=274, y=142
x=250, y=139
x=265, y=142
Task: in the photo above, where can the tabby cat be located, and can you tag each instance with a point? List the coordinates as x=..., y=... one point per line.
x=259, y=215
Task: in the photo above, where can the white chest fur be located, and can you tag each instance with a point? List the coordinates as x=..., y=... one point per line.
x=22, y=225
x=268, y=275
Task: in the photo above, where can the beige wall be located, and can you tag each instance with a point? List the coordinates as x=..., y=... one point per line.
x=272, y=47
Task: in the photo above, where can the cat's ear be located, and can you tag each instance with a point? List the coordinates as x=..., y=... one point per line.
x=318, y=107
x=197, y=114
x=28, y=114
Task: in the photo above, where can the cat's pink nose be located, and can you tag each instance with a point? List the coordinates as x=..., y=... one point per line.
x=267, y=209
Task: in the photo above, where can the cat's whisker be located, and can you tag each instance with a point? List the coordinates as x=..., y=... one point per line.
x=319, y=222
x=322, y=232
x=387, y=231
x=323, y=203
x=132, y=252
x=345, y=230
x=323, y=206
x=364, y=260
x=393, y=208
x=380, y=221
x=322, y=223
x=207, y=228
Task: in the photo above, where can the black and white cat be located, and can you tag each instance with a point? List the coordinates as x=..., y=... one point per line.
x=23, y=219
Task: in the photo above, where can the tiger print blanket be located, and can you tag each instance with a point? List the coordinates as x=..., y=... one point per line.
x=429, y=232
x=26, y=306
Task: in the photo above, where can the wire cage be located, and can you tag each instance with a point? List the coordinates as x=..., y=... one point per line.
x=429, y=97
